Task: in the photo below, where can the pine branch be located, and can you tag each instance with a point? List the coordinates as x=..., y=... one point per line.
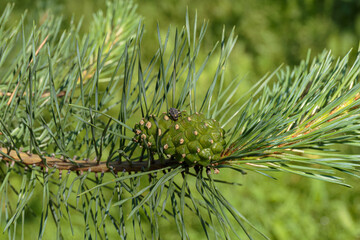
x=300, y=122
x=60, y=164
x=67, y=97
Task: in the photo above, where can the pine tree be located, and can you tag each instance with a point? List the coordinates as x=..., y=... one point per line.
x=82, y=128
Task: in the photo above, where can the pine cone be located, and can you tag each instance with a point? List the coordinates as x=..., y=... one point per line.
x=190, y=138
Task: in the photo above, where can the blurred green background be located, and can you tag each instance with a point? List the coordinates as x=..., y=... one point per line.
x=270, y=33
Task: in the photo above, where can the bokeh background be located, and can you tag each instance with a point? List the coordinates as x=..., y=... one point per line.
x=270, y=33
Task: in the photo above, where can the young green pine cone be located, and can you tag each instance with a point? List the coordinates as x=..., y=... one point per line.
x=190, y=138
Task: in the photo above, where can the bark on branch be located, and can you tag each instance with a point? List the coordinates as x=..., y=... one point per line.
x=82, y=165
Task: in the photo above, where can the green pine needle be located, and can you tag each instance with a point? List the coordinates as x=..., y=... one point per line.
x=69, y=102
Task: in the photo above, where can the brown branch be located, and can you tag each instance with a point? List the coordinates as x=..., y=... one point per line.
x=45, y=94
x=83, y=165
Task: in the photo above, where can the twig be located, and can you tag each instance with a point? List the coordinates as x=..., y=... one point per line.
x=45, y=94
x=83, y=165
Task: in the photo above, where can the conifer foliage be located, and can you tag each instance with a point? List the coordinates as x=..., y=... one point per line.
x=117, y=146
